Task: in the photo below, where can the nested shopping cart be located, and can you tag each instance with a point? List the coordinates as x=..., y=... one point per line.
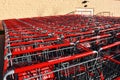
x=66, y=47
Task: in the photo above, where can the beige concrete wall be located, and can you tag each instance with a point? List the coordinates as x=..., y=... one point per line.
x=112, y=6
x=32, y=8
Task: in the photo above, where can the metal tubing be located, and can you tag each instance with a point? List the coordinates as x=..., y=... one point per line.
x=96, y=37
x=110, y=46
x=40, y=49
x=30, y=42
x=56, y=61
x=113, y=60
x=8, y=74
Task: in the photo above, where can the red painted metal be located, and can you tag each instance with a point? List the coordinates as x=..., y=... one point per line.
x=52, y=62
x=110, y=45
x=118, y=78
x=64, y=43
x=113, y=60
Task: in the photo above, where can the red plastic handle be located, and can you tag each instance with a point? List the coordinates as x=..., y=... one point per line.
x=52, y=62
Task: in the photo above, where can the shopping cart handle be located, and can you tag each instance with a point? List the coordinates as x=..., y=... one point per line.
x=113, y=60
x=109, y=46
x=78, y=34
x=40, y=49
x=96, y=37
x=110, y=29
x=56, y=61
